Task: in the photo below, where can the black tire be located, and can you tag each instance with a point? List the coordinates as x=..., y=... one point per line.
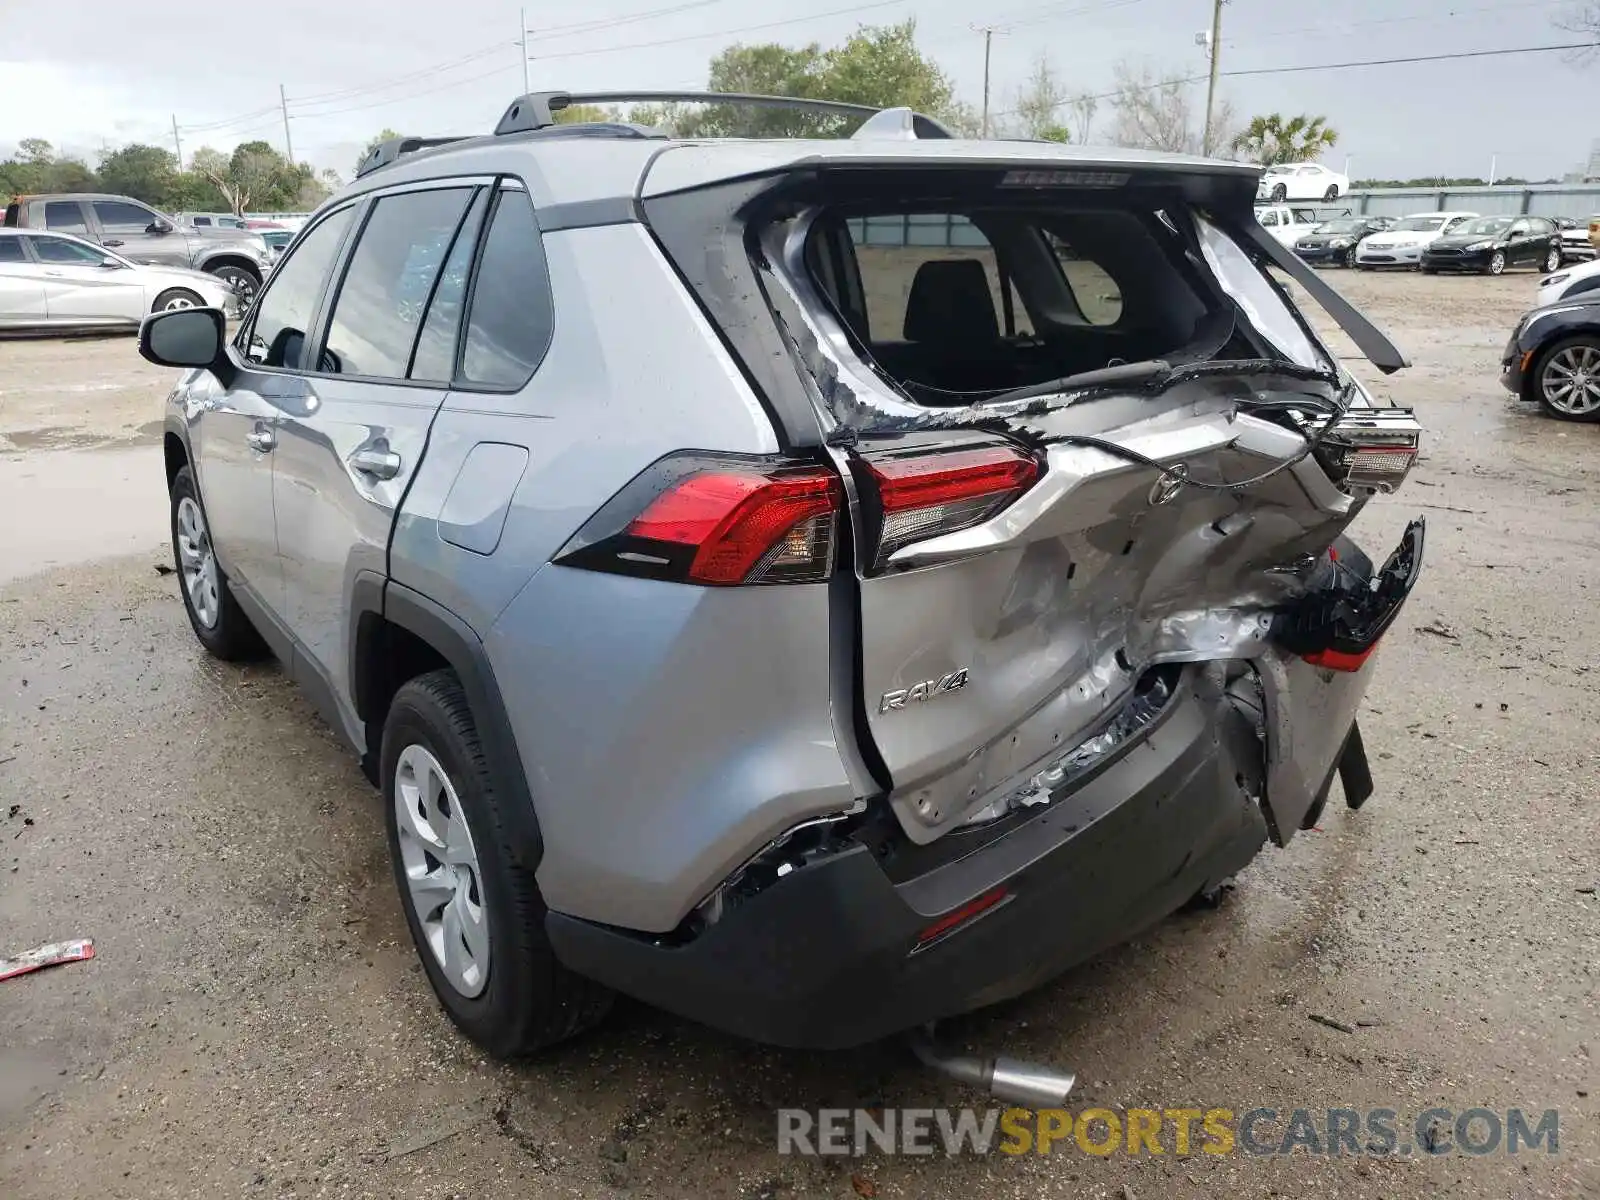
x=1536, y=378
x=1332, y=194
x=231, y=637
x=1497, y=263
x=1280, y=193
x=176, y=298
x=1348, y=258
x=1552, y=260
x=530, y=1001
x=244, y=282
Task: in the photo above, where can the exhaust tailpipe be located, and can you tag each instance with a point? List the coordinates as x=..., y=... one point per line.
x=1027, y=1084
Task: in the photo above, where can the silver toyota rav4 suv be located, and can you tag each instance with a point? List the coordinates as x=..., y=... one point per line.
x=815, y=586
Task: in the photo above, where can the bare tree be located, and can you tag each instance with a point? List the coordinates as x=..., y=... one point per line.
x=1151, y=110
x=1038, y=104
x=216, y=167
x=1583, y=19
x=1155, y=110
x=1081, y=107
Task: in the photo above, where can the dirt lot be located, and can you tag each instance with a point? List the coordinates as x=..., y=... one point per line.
x=255, y=1022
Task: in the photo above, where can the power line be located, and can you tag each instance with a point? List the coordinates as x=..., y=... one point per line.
x=717, y=33
x=396, y=81
x=1444, y=16
x=581, y=27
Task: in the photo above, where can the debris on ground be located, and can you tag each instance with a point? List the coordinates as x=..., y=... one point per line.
x=164, y=569
x=1439, y=629
x=1331, y=1023
x=50, y=954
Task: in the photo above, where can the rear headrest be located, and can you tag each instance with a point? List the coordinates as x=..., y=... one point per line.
x=950, y=299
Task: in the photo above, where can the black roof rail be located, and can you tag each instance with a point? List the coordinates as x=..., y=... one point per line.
x=537, y=110
x=385, y=153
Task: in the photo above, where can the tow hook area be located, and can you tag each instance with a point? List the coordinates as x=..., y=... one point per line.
x=1009, y=1079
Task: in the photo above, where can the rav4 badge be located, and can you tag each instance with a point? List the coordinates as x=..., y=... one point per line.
x=928, y=689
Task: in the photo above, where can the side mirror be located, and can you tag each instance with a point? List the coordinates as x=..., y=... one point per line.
x=158, y=227
x=187, y=337
x=110, y=263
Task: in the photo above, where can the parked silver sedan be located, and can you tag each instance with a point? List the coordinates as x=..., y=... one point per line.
x=54, y=281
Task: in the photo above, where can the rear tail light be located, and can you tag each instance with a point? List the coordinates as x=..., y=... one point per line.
x=920, y=495
x=716, y=521
x=1372, y=449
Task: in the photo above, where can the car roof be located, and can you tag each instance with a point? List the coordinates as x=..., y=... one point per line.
x=576, y=169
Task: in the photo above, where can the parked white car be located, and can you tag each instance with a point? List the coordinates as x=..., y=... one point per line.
x=57, y=281
x=1301, y=181
x=1402, y=244
x=1290, y=222
x=1570, y=282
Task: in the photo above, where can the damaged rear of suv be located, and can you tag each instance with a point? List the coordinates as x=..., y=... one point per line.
x=905, y=567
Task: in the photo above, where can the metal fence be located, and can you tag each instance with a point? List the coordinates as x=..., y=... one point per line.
x=1576, y=200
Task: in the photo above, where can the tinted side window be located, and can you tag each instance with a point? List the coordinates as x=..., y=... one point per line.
x=65, y=215
x=435, y=355
x=118, y=216
x=283, y=313
x=59, y=250
x=511, y=317
x=389, y=280
x=11, y=250
x=201, y=221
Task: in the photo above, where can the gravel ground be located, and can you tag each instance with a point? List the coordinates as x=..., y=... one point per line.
x=255, y=1022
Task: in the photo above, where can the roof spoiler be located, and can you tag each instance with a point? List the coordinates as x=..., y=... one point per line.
x=537, y=111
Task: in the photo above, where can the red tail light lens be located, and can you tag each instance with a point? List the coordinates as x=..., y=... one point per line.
x=716, y=522
x=925, y=495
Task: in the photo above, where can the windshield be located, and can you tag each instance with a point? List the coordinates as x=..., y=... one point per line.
x=1483, y=227
x=1342, y=225
x=1419, y=225
x=1278, y=171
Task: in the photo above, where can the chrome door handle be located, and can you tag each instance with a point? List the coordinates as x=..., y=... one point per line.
x=55, y=274
x=376, y=461
x=261, y=440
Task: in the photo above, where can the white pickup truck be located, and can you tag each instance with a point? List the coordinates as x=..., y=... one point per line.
x=1290, y=222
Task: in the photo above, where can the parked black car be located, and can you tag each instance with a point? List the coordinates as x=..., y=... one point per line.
x=1554, y=357
x=1491, y=244
x=1335, y=241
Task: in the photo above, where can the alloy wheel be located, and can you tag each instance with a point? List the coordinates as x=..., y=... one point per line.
x=1497, y=263
x=443, y=880
x=198, y=563
x=1552, y=261
x=1570, y=381
x=175, y=303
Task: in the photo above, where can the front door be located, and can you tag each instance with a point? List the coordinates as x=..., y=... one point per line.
x=140, y=233
x=79, y=286
x=21, y=287
x=347, y=453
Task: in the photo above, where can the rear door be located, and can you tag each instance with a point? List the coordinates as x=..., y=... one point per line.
x=347, y=449
x=80, y=287
x=21, y=287
x=61, y=216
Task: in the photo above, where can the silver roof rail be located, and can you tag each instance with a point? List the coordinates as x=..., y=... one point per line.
x=537, y=110
x=385, y=153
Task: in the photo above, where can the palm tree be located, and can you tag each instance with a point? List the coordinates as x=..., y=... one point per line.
x=1272, y=139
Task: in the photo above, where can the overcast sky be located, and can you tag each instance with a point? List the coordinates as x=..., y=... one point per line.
x=352, y=67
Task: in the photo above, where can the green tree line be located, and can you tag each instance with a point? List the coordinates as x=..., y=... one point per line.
x=252, y=177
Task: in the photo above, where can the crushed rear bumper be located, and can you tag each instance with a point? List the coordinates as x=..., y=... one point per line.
x=828, y=956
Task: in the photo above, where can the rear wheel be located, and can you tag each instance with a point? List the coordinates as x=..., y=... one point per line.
x=1331, y=194
x=1497, y=263
x=1567, y=381
x=215, y=615
x=1280, y=193
x=475, y=915
x=174, y=299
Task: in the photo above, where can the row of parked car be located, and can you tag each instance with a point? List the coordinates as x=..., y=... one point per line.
x=94, y=261
x=1436, y=241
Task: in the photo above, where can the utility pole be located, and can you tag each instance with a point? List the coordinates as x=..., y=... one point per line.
x=522, y=40
x=288, y=143
x=988, y=32
x=176, y=143
x=1211, y=87
x=1494, y=163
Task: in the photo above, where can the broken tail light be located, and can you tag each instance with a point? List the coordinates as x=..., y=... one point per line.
x=1371, y=449
x=1338, y=622
x=920, y=495
x=716, y=521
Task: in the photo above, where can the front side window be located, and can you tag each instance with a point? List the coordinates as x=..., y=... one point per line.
x=389, y=281
x=59, y=250
x=511, y=319
x=65, y=215
x=277, y=330
x=118, y=216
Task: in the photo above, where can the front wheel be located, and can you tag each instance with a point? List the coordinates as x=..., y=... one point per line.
x=1348, y=258
x=218, y=621
x=1497, y=263
x=174, y=299
x=1331, y=194
x=1280, y=194
x=1567, y=381
x=474, y=912
x=244, y=283
x=1552, y=260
